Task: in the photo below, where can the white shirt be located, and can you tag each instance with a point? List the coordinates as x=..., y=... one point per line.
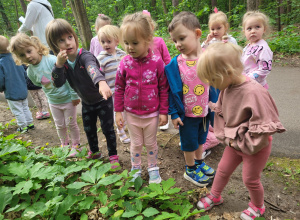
x=37, y=17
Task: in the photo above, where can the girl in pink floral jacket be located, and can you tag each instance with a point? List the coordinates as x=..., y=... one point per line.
x=141, y=89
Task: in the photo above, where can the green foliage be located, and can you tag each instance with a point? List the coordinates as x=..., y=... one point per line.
x=45, y=184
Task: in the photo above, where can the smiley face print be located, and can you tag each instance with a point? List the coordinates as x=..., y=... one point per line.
x=185, y=89
x=199, y=89
x=197, y=110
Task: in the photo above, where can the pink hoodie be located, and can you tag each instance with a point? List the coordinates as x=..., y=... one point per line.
x=141, y=85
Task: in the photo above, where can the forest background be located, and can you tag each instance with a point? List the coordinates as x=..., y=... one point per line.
x=284, y=17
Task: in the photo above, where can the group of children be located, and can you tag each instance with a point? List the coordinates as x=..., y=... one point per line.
x=145, y=85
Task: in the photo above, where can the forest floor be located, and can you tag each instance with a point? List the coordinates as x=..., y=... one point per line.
x=280, y=178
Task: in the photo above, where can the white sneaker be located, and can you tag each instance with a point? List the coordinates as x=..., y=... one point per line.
x=179, y=144
x=164, y=127
x=154, y=176
x=205, y=153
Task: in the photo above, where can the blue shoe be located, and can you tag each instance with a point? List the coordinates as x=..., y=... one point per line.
x=207, y=170
x=197, y=177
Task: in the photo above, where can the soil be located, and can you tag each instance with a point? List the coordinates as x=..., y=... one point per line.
x=282, y=195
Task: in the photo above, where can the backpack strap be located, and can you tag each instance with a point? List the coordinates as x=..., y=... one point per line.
x=47, y=8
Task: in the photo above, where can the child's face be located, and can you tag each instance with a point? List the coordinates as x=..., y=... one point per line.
x=109, y=45
x=185, y=39
x=29, y=55
x=217, y=30
x=254, y=30
x=67, y=42
x=136, y=46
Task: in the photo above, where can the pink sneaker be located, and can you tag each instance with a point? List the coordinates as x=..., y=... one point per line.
x=209, y=201
x=252, y=212
x=114, y=159
x=75, y=150
x=92, y=155
x=42, y=115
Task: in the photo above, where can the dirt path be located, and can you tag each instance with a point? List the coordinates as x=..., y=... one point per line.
x=280, y=188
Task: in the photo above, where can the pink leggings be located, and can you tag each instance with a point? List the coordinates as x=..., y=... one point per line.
x=142, y=132
x=253, y=166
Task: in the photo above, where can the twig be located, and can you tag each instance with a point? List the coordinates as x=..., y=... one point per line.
x=170, y=139
x=274, y=206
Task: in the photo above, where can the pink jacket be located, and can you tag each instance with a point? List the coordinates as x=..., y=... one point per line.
x=141, y=85
x=160, y=48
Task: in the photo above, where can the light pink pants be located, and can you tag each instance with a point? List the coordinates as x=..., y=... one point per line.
x=65, y=116
x=253, y=166
x=142, y=132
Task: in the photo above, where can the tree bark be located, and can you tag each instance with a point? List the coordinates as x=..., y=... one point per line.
x=82, y=22
x=229, y=10
x=213, y=3
x=257, y=4
x=164, y=6
x=5, y=18
x=64, y=3
x=279, y=16
x=251, y=5
x=23, y=5
x=288, y=11
x=153, y=7
x=175, y=3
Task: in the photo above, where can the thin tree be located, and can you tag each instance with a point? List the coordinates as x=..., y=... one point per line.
x=175, y=3
x=213, y=3
x=251, y=5
x=23, y=5
x=163, y=2
x=5, y=18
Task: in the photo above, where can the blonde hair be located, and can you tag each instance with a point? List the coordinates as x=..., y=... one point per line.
x=219, y=17
x=187, y=19
x=151, y=21
x=4, y=43
x=22, y=40
x=141, y=24
x=110, y=31
x=218, y=61
x=55, y=29
x=264, y=19
x=103, y=18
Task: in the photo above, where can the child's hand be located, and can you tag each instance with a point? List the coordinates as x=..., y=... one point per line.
x=163, y=120
x=75, y=102
x=104, y=90
x=119, y=120
x=61, y=58
x=176, y=122
x=209, y=38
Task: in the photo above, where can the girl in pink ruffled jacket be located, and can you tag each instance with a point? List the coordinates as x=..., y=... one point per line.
x=141, y=89
x=245, y=118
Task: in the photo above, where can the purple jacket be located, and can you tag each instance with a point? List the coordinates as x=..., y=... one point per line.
x=141, y=85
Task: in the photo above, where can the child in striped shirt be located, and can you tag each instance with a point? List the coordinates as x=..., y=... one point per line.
x=109, y=60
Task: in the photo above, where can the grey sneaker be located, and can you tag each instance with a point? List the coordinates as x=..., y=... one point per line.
x=154, y=176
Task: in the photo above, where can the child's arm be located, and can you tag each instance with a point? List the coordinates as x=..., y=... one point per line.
x=165, y=53
x=206, y=42
x=120, y=88
x=58, y=72
x=119, y=120
x=163, y=88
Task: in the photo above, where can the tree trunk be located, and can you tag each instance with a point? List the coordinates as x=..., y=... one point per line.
x=153, y=8
x=82, y=22
x=288, y=11
x=251, y=5
x=17, y=13
x=64, y=3
x=23, y=5
x=257, y=4
x=229, y=10
x=175, y=3
x=5, y=18
x=164, y=6
x=279, y=15
x=213, y=3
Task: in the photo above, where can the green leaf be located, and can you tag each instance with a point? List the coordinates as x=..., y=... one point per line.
x=66, y=204
x=129, y=214
x=34, y=210
x=118, y=213
x=84, y=217
x=138, y=183
x=18, y=169
x=77, y=185
x=23, y=187
x=185, y=209
x=173, y=191
x=110, y=179
x=103, y=210
x=86, y=203
x=102, y=170
x=150, y=212
x=156, y=188
x=166, y=215
x=38, y=170
x=166, y=185
x=103, y=198
x=89, y=176
x=10, y=149
x=139, y=218
x=5, y=197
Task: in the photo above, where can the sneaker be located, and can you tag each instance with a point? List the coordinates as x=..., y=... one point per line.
x=154, y=176
x=205, y=153
x=22, y=129
x=123, y=137
x=114, y=161
x=179, y=144
x=197, y=177
x=75, y=150
x=209, y=201
x=31, y=126
x=164, y=127
x=42, y=115
x=252, y=212
x=136, y=175
x=207, y=170
x=92, y=155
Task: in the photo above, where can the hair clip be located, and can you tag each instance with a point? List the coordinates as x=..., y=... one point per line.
x=146, y=12
x=100, y=15
x=215, y=10
x=225, y=41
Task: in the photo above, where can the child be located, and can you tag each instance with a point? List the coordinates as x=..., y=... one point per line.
x=257, y=55
x=142, y=91
x=160, y=49
x=245, y=119
x=81, y=69
x=63, y=100
x=38, y=97
x=109, y=60
x=13, y=84
x=95, y=46
x=218, y=26
x=188, y=98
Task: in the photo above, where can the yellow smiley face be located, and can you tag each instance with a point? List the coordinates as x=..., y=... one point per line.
x=190, y=63
x=185, y=89
x=199, y=90
x=197, y=110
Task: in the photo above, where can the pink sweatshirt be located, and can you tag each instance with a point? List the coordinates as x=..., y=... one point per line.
x=247, y=114
x=141, y=85
x=160, y=48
